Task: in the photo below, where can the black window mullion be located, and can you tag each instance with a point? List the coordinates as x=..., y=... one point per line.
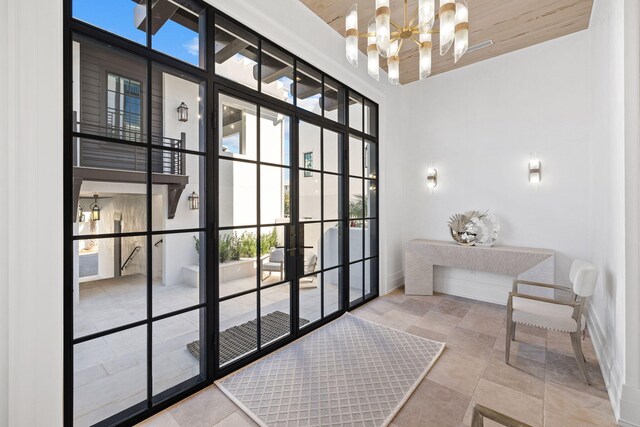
x=364, y=205
x=322, y=219
x=258, y=218
x=210, y=257
x=346, y=300
x=149, y=100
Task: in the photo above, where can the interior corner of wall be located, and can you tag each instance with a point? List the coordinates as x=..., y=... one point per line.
x=610, y=368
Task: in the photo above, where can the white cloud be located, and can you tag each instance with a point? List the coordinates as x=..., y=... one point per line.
x=193, y=47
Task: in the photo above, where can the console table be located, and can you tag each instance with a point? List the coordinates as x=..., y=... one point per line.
x=523, y=263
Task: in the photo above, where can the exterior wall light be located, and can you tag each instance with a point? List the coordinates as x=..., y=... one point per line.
x=80, y=213
x=95, y=209
x=183, y=112
x=194, y=201
x=535, y=171
x=432, y=178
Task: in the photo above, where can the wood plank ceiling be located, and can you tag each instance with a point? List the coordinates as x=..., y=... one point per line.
x=511, y=24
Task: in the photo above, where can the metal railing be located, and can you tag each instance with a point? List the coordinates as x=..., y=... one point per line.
x=130, y=257
x=96, y=153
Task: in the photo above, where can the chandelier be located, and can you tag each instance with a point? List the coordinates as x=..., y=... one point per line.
x=385, y=37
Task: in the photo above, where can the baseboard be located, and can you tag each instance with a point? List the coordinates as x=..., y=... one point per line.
x=394, y=281
x=610, y=370
x=629, y=408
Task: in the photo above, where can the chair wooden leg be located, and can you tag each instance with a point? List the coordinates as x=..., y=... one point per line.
x=577, y=350
x=509, y=334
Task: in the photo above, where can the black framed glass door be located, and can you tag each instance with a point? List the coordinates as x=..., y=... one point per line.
x=256, y=230
x=220, y=201
x=280, y=224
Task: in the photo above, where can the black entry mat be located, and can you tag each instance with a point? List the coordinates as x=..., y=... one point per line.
x=241, y=339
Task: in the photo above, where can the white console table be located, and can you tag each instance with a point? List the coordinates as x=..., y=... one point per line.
x=523, y=263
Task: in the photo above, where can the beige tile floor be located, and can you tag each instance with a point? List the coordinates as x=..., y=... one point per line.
x=110, y=372
x=542, y=387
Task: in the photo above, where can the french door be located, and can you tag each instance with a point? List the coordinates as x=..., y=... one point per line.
x=280, y=226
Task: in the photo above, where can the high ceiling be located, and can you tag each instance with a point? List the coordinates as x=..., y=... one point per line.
x=511, y=24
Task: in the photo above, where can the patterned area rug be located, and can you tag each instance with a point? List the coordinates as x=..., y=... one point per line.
x=349, y=372
x=241, y=339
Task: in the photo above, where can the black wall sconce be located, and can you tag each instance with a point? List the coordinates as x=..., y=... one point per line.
x=183, y=112
x=95, y=209
x=194, y=201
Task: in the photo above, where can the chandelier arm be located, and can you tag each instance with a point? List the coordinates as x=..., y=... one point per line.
x=395, y=24
x=405, y=11
x=399, y=47
x=416, y=41
x=413, y=18
x=367, y=34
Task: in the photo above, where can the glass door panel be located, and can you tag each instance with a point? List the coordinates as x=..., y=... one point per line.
x=255, y=258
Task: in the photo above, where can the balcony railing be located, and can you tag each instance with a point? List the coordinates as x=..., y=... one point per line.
x=94, y=153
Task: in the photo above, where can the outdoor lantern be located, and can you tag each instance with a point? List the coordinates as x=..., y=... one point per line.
x=194, y=201
x=183, y=112
x=95, y=209
x=80, y=213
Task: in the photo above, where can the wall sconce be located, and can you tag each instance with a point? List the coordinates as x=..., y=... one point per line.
x=535, y=171
x=194, y=201
x=80, y=213
x=432, y=178
x=95, y=209
x=183, y=112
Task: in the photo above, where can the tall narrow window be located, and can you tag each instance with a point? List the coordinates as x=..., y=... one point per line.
x=124, y=108
x=308, y=164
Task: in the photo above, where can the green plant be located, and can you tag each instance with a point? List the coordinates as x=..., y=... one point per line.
x=197, y=243
x=268, y=241
x=357, y=208
x=232, y=247
x=247, y=247
x=228, y=248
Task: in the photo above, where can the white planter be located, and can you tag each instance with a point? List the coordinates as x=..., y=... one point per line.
x=231, y=270
x=191, y=275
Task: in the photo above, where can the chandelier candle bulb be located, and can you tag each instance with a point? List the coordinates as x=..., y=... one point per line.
x=383, y=27
x=425, y=55
x=386, y=37
x=461, y=29
x=447, y=16
x=351, y=34
x=372, y=51
x=393, y=64
x=426, y=15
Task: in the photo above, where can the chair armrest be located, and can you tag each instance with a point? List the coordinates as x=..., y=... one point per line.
x=542, y=299
x=480, y=412
x=539, y=284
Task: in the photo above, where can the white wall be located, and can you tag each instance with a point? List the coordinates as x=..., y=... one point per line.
x=31, y=163
x=574, y=101
x=614, y=321
x=478, y=125
x=4, y=220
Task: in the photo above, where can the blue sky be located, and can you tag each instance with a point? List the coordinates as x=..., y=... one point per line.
x=117, y=16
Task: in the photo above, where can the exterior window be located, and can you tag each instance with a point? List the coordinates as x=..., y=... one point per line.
x=281, y=158
x=308, y=164
x=124, y=108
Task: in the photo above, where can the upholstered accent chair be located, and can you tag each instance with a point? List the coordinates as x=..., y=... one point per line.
x=273, y=263
x=551, y=313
